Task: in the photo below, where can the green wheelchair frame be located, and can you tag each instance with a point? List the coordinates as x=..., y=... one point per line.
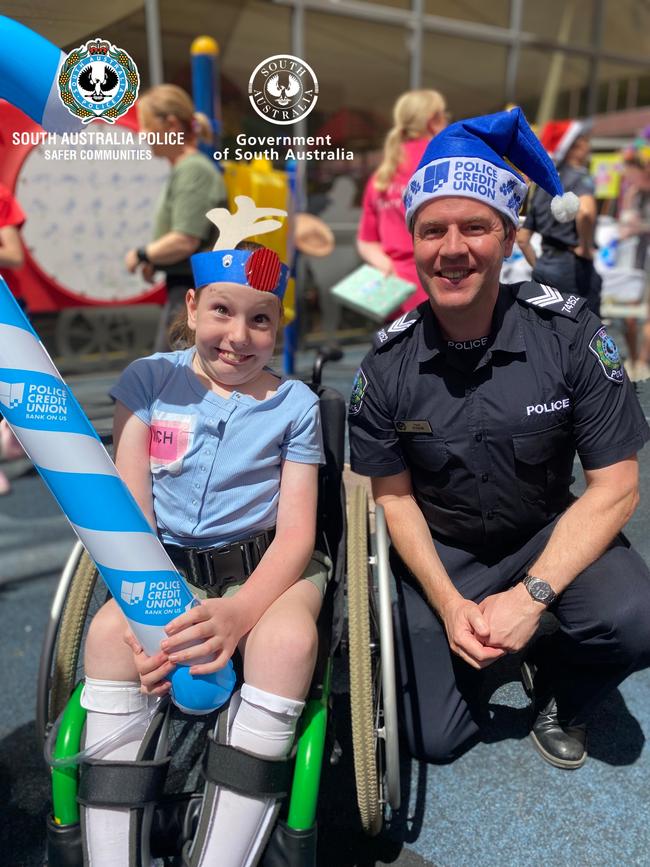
x=306, y=775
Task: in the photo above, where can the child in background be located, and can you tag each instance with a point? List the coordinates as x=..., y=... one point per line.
x=218, y=449
x=383, y=240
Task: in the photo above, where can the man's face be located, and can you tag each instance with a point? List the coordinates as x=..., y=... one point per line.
x=579, y=151
x=459, y=247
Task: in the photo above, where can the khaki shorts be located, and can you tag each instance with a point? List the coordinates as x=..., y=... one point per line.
x=318, y=571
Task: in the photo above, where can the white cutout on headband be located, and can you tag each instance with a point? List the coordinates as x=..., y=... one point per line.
x=236, y=227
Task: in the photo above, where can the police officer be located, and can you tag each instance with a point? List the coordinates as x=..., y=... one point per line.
x=567, y=247
x=467, y=414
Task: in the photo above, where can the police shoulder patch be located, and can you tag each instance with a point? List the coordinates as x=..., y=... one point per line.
x=549, y=298
x=606, y=351
x=399, y=326
x=359, y=387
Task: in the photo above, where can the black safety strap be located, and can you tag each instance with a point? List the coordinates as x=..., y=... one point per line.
x=246, y=773
x=121, y=784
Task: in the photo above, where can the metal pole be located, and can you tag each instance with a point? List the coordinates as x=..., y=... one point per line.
x=154, y=42
x=300, y=128
x=596, y=44
x=297, y=194
x=553, y=79
x=512, y=63
x=416, y=44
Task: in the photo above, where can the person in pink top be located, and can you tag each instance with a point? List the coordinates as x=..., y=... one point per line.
x=11, y=257
x=383, y=240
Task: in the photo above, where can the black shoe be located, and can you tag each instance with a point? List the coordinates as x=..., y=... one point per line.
x=560, y=744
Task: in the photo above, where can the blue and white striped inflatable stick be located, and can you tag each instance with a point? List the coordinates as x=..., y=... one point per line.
x=29, y=69
x=56, y=434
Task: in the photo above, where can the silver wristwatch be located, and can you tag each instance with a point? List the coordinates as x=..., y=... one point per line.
x=540, y=591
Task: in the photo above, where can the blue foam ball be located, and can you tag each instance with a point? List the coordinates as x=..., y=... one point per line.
x=201, y=693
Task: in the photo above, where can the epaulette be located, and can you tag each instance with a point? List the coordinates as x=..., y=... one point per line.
x=399, y=326
x=549, y=298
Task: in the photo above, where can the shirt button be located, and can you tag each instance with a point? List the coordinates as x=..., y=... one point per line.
x=485, y=477
x=196, y=485
x=194, y=502
x=478, y=437
x=489, y=515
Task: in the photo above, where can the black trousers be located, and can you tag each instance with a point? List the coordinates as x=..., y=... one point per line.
x=603, y=636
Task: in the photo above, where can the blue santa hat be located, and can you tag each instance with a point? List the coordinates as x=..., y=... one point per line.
x=468, y=159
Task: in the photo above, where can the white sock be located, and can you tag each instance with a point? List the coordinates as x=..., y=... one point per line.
x=110, y=703
x=264, y=725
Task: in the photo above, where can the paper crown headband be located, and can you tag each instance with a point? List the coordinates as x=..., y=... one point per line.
x=260, y=269
x=475, y=159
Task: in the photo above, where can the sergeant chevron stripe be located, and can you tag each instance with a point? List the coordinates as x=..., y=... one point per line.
x=400, y=324
x=550, y=296
x=73, y=463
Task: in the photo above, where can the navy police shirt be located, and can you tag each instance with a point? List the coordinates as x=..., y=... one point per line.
x=489, y=428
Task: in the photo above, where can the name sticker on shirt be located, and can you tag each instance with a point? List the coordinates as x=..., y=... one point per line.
x=170, y=440
x=415, y=425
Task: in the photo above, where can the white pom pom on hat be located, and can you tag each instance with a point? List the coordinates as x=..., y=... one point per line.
x=565, y=207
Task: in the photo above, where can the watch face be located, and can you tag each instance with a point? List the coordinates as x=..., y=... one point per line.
x=540, y=591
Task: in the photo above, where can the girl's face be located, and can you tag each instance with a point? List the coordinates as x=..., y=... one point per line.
x=235, y=329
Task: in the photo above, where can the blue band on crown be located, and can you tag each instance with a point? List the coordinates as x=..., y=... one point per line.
x=229, y=266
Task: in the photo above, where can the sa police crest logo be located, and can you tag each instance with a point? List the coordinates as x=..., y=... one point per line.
x=98, y=81
x=283, y=89
x=606, y=351
x=359, y=387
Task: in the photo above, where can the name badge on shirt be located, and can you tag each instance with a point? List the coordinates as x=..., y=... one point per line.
x=415, y=425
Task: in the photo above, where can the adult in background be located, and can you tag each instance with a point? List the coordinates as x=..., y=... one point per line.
x=467, y=416
x=194, y=187
x=567, y=259
x=383, y=240
x=634, y=227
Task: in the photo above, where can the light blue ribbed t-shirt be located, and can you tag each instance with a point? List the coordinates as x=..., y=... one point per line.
x=215, y=461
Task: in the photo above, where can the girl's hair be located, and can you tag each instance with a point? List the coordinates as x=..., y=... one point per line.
x=411, y=116
x=180, y=335
x=168, y=99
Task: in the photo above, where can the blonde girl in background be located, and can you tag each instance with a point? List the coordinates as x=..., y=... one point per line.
x=383, y=240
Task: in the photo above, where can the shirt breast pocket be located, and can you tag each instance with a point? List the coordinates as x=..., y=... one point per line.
x=543, y=465
x=171, y=437
x=429, y=454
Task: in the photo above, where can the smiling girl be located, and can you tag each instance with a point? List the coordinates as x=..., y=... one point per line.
x=222, y=455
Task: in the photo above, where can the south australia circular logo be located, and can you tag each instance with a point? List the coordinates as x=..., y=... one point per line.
x=98, y=81
x=283, y=89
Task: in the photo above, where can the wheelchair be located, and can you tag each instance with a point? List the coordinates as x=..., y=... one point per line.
x=173, y=812
x=371, y=656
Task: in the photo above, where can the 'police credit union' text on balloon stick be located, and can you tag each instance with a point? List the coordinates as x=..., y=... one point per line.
x=58, y=437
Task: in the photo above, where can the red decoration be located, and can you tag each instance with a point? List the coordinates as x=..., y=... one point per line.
x=263, y=269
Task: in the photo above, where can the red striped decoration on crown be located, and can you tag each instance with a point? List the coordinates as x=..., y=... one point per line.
x=263, y=269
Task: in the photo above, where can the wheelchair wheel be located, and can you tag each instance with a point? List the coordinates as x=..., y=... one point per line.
x=78, y=597
x=372, y=673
